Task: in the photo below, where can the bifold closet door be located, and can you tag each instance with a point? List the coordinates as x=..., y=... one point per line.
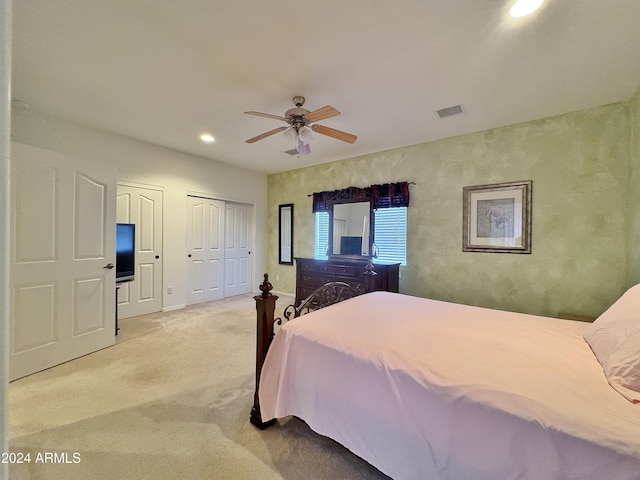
x=205, y=249
x=237, y=255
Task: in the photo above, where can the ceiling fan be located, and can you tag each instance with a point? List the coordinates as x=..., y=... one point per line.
x=301, y=123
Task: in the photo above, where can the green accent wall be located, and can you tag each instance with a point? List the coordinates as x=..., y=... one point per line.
x=582, y=166
x=634, y=191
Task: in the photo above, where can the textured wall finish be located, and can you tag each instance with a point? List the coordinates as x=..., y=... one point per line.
x=634, y=191
x=579, y=165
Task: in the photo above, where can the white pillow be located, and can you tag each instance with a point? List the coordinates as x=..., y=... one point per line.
x=614, y=338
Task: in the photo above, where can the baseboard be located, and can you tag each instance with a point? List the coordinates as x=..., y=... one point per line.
x=175, y=307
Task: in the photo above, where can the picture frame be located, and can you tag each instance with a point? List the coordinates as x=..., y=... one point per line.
x=497, y=218
x=285, y=234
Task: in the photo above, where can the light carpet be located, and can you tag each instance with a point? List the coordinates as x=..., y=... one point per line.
x=170, y=400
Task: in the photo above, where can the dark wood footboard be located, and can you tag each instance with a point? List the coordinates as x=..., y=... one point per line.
x=328, y=294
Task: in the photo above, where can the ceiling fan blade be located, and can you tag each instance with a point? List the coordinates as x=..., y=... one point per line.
x=266, y=134
x=332, y=132
x=268, y=115
x=320, y=114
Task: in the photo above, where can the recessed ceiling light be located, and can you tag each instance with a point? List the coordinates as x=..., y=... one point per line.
x=207, y=138
x=524, y=7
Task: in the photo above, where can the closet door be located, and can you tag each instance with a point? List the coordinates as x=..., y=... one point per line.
x=205, y=249
x=142, y=207
x=238, y=237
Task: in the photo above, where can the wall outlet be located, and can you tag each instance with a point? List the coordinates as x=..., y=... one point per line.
x=277, y=278
x=169, y=290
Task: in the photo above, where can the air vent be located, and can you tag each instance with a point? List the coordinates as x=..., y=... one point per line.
x=293, y=151
x=450, y=111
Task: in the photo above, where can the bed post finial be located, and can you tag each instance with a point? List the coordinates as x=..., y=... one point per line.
x=265, y=307
x=266, y=286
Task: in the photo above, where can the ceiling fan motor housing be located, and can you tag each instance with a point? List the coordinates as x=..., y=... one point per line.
x=296, y=117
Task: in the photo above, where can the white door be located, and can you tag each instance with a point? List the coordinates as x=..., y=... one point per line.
x=205, y=249
x=142, y=207
x=63, y=251
x=237, y=255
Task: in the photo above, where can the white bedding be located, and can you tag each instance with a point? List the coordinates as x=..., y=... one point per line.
x=423, y=389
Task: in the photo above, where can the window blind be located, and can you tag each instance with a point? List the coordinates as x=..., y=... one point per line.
x=322, y=234
x=391, y=234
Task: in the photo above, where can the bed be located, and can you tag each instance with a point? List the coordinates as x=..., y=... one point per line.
x=425, y=389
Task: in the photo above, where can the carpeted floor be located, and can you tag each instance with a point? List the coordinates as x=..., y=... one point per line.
x=170, y=400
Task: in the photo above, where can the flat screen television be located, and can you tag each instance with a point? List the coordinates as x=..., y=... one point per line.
x=125, y=252
x=350, y=245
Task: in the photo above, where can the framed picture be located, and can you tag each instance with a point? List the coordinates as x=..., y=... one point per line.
x=497, y=218
x=285, y=240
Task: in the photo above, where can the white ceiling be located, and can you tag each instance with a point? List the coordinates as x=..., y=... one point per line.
x=163, y=71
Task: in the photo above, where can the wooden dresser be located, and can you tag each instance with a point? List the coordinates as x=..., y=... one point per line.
x=312, y=273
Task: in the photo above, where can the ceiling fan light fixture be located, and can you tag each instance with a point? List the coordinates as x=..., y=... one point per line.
x=290, y=134
x=305, y=134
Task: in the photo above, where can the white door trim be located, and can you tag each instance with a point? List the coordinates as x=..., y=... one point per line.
x=148, y=186
x=5, y=209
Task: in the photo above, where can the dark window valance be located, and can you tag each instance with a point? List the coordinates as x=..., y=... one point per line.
x=390, y=195
x=387, y=195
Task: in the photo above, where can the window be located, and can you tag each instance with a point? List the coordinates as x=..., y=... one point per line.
x=390, y=234
x=322, y=234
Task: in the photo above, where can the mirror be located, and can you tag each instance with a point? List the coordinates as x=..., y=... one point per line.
x=351, y=227
x=285, y=237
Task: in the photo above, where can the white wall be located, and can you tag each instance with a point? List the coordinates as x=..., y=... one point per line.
x=177, y=173
x=5, y=109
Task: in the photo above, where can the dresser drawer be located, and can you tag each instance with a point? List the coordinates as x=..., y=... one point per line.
x=306, y=291
x=306, y=265
x=343, y=270
x=313, y=279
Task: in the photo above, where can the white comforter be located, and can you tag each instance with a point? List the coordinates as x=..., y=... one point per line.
x=424, y=389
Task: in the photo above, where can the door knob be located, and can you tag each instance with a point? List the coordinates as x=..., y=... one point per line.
x=157, y=257
x=189, y=255
x=109, y=266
